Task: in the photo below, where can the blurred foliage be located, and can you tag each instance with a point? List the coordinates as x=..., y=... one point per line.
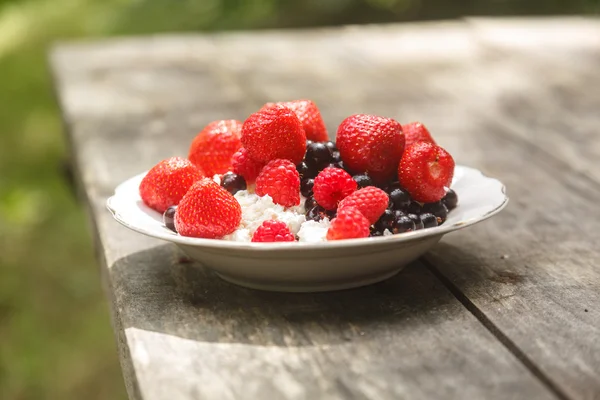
x=55, y=337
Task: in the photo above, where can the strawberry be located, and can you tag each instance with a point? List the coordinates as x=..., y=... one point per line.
x=207, y=211
x=348, y=224
x=331, y=186
x=273, y=231
x=272, y=133
x=371, y=144
x=280, y=180
x=308, y=113
x=416, y=132
x=245, y=166
x=425, y=171
x=370, y=201
x=213, y=147
x=166, y=183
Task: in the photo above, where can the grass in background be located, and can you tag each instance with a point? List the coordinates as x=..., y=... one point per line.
x=55, y=337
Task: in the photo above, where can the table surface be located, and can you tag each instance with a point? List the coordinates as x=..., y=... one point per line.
x=507, y=309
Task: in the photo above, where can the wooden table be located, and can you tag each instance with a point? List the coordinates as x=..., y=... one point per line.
x=507, y=309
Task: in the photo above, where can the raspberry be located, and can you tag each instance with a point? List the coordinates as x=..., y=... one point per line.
x=370, y=201
x=371, y=144
x=425, y=171
x=308, y=113
x=331, y=186
x=245, y=166
x=166, y=183
x=349, y=224
x=280, y=180
x=273, y=231
x=213, y=147
x=207, y=211
x=416, y=132
x=272, y=133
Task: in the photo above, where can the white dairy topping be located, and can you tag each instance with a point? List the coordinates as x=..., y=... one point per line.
x=313, y=231
x=256, y=210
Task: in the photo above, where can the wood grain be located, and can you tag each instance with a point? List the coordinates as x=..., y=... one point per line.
x=501, y=96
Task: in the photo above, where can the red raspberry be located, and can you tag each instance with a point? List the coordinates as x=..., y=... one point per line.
x=166, y=183
x=273, y=231
x=371, y=144
x=425, y=170
x=348, y=224
x=370, y=201
x=272, y=133
x=207, y=211
x=308, y=113
x=416, y=132
x=331, y=186
x=245, y=166
x=280, y=180
x=213, y=147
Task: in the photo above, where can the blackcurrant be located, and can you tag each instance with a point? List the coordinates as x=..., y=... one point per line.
x=169, y=218
x=403, y=224
x=306, y=187
x=363, y=180
x=318, y=155
x=417, y=221
x=450, y=199
x=401, y=198
x=438, y=209
x=233, y=183
x=429, y=220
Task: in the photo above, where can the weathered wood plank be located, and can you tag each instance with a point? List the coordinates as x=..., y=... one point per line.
x=184, y=333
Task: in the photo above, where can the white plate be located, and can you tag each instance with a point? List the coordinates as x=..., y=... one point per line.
x=310, y=267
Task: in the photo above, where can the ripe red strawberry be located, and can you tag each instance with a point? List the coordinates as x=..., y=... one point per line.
x=207, y=211
x=348, y=224
x=272, y=133
x=425, y=170
x=331, y=186
x=370, y=201
x=308, y=113
x=245, y=166
x=213, y=147
x=166, y=183
x=273, y=231
x=280, y=180
x=416, y=132
x=371, y=144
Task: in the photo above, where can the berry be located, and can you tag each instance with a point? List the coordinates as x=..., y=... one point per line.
x=169, y=218
x=317, y=155
x=331, y=186
x=213, y=147
x=310, y=117
x=438, y=209
x=233, y=183
x=306, y=187
x=414, y=208
x=335, y=156
x=363, y=180
x=273, y=231
x=309, y=203
x=400, y=199
x=280, y=180
x=167, y=182
x=370, y=201
x=306, y=171
x=207, y=211
x=416, y=132
x=386, y=221
x=418, y=223
x=403, y=224
x=331, y=145
x=429, y=220
x=450, y=199
x=318, y=213
x=242, y=164
x=425, y=171
x=274, y=133
x=371, y=144
x=349, y=223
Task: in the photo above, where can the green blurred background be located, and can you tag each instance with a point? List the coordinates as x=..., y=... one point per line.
x=55, y=336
